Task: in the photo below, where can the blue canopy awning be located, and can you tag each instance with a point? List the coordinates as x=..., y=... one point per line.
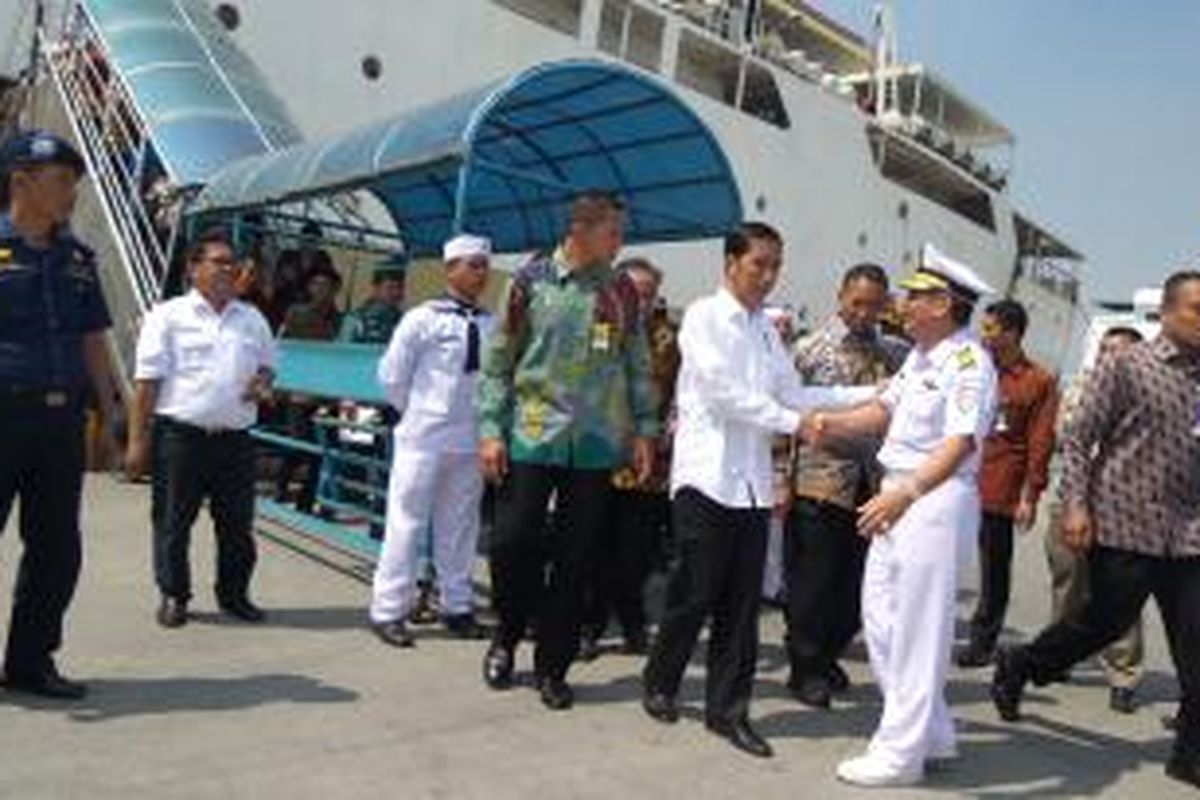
x=503, y=160
x=204, y=101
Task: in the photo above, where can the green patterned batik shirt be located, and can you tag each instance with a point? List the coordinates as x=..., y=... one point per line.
x=566, y=375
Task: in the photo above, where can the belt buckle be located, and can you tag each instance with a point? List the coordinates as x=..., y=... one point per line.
x=56, y=399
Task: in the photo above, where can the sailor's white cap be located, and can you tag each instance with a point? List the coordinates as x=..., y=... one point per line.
x=466, y=245
x=939, y=272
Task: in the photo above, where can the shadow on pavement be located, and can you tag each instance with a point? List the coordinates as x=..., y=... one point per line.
x=122, y=698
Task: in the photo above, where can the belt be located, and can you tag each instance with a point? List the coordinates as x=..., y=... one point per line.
x=48, y=398
x=197, y=430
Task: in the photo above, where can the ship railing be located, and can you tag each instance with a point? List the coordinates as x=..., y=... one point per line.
x=117, y=147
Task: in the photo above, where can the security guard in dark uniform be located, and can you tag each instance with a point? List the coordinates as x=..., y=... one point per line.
x=52, y=340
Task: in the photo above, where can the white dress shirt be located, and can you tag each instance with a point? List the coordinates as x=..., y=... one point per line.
x=204, y=361
x=423, y=375
x=950, y=390
x=737, y=388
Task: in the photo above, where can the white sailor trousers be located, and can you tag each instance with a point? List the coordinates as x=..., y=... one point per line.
x=908, y=602
x=427, y=490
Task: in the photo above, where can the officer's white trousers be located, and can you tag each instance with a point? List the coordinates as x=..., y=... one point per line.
x=428, y=490
x=908, y=603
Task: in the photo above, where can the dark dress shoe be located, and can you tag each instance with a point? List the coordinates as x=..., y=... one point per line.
x=555, y=693
x=47, y=684
x=742, y=736
x=636, y=643
x=1122, y=700
x=1008, y=683
x=394, y=633
x=172, y=613
x=1185, y=770
x=661, y=706
x=839, y=681
x=241, y=608
x=812, y=690
x=498, y=667
x=464, y=626
x=974, y=656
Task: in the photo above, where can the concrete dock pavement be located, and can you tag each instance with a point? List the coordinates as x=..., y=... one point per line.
x=310, y=704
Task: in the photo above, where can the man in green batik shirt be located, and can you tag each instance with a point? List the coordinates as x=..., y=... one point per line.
x=566, y=392
x=374, y=321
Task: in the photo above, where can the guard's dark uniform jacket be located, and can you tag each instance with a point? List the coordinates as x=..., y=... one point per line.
x=49, y=299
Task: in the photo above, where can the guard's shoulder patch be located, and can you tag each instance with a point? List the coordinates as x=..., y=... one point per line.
x=965, y=358
x=6, y=255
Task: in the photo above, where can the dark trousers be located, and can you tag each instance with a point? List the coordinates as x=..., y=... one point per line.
x=824, y=558
x=191, y=466
x=995, y=579
x=625, y=555
x=1121, y=582
x=41, y=464
x=717, y=575
x=523, y=545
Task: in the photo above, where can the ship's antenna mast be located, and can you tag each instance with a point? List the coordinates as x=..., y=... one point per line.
x=887, y=58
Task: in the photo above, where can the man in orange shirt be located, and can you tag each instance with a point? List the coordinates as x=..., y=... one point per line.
x=1016, y=458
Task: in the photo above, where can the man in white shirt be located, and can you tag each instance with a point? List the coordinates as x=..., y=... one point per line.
x=736, y=390
x=203, y=361
x=936, y=411
x=429, y=374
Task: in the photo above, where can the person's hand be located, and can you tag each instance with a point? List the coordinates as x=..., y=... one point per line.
x=1077, y=531
x=137, y=456
x=877, y=515
x=493, y=460
x=811, y=429
x=643, y=459
x=1025, y=516
x=258, y=390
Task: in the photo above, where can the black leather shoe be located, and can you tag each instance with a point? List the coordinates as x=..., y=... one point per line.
x=47, y=684
x=839, y=681
x=661, y=706
x=498, y=667
x=241, y=608
x=1185, y=770
x=394, y=633
x=464, y=626
x=555, y=693
x=974, y=656
x=172, y=612
x=742, y=736
x=812, y=690
x=1122, y=700
x=1008, y=683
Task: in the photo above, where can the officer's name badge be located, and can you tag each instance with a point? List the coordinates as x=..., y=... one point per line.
x=965, y=358
x=6, y=257
x=602, y=337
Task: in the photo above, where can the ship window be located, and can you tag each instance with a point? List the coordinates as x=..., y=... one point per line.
x=228, y=16
x=562, y=15
x=632, y=33
x=917, y=169
x=715, y=70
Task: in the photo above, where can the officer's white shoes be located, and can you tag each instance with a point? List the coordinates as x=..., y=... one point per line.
x=868, y=770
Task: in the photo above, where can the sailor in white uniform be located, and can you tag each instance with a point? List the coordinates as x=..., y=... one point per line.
x=937, y=411
x=429, y=374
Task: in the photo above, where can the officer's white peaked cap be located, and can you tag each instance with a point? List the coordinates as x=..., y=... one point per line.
x=939, y=272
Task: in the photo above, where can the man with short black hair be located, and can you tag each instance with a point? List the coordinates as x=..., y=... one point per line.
x=1131, y=465
x=204, y=359
x=1015, y=471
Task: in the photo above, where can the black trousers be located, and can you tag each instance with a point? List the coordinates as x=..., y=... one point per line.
x=523, y=546
x=41, y=465
x=191, y=466
x=995, y=579
x=625, y=555
x=1121, y=581
x=824, y=558
x=718, y=576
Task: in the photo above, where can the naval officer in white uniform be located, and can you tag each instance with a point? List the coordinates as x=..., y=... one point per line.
x=937, y=411
x=429, y=374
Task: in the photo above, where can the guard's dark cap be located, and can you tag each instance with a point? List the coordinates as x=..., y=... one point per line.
x=35, y=147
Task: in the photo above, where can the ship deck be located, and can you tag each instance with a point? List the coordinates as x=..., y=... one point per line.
x=311, y=705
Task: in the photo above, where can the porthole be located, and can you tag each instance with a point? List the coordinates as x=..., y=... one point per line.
x=229, y=16
x=372, y=68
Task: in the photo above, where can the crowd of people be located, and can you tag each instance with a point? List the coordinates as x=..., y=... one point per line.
x=616, y=441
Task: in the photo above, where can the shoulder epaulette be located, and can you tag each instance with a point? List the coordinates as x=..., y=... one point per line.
x=965, y=357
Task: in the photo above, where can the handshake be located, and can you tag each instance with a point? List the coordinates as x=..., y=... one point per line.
x=813, y=428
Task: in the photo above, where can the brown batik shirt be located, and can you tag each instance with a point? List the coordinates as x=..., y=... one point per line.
x=1131, y=452
x=833, y=355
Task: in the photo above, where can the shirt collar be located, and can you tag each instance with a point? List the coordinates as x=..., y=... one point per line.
x=942, y=351
x=1166, y=350
x=563, y=271
x=840, y=331
x=203, y=306
x=730, y=307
